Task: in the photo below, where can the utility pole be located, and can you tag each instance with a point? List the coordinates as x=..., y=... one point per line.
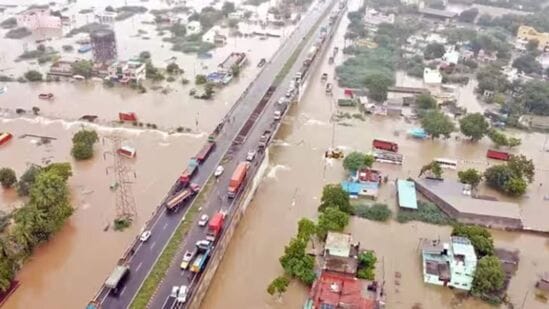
x=125, y=201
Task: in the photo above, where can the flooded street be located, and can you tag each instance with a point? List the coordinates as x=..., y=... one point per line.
x=292, y=189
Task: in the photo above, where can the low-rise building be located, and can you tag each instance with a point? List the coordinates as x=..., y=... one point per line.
x=451, y=57
x=127, y=71
x=340, y=254
x=38, y=18
x=193, y=27
x=373, y=17
x=432, y=76
x=526, y=33
x=406, y=192
x=450, y=264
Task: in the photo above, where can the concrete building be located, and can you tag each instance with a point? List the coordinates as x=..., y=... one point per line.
x=38, y=18
x=526, y=33
x=406, y=192
x=451, y=57
x=103, y=43
x=373, y=17
x=106, y=17
x=216, y=35
x=127, y=71
x=194, y=27
x=450, y=264
x=340, y=254
x=448, y=195
x=432, y=76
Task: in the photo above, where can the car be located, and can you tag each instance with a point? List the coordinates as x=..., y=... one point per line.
x=175, y=291
x=277, y=115
x=187, y=257
x=182, y=296
x=204, y=244
x=289, y=93
x=218, y=171
x=282, y=100
x=298, y=75
x=250, y=156
x=203, y=220
x=145, y=236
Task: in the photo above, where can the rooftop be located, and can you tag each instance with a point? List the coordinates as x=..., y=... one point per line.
x=338, y=244
x=407, y=194
x=437, y=13
x=451, y=192
x=333, y=290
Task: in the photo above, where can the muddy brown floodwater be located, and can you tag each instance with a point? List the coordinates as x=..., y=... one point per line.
x=293, y=185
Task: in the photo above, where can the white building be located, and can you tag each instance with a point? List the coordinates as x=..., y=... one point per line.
x=216, y=35
x=38, y=18
x=127, y=71
x=373, y=17
x=432, y=76
x=451, y=57
x=194, y=27
x=106, y=17
x=410, y=2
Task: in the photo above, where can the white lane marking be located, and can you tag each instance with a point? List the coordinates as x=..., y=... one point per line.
x=152, y=245
x=123, y=290
x=165, y=226
x=139, y=266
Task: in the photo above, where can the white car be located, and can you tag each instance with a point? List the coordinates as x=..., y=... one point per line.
x=250, y=156
x=182, y=296
x=203, y=220
x=218, y=171
x=145, y=236
x=277, y=115
x=204, y=244
x=175, y=291
x=282, y=100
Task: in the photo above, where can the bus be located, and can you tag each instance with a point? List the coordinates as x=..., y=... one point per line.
x=446, y=163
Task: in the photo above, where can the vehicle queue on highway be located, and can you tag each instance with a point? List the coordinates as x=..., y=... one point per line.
x=195, y=260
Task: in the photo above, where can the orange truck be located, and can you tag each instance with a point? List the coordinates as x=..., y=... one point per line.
x=237, y=179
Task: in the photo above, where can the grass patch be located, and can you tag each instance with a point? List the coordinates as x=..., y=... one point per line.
x=426, y=212
x=18, y=33
x=375, y=212
x=163, y=263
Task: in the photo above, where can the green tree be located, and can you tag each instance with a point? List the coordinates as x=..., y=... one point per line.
x=354, y=161
x=532, y=45
x=83, y=68
x=333, y=196
x=498, y=138
x=27, y=180
x=152, y=72
x=62, y=170
x=376, y=212
x=331, y=219
x=513, y=142
x=82, y=151
x=484, y=20
x=426, y=101
x=297, y=263
x=7, y=177
x=470, y=176
x=522, y=167
x=434, y=51
x=515, y=186
x=474, y=126
x=489, y=275
x=437, y=124
x=527, y=64
x=279, y=285
x=480, y=238
x=208, y=91
x=227, y=8
x=33, y=76
x=85, y=136
x=7, y=273
x=433, y=167
x=173, y=68
x=305, y=229
x=200, y=79
x=496, y=176
x=468, y=16
x=378, y=85
x=366, y=265
x=144, y=56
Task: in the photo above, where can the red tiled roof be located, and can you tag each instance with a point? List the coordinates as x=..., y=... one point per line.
x=340, y=291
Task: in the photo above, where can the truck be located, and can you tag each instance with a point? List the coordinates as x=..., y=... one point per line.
x=498, y=155
x=205, y=152
x=385, y=145
x=237, y=179
x=188, y=173
x=173, y=203
x=215, y=226
x=187, y=257
x=202, y=256
x=117, y=278
x=5, y=137
x=265, y=138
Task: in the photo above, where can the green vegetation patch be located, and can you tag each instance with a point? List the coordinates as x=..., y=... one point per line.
x=427, y=212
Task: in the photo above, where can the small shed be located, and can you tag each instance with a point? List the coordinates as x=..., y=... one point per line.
x=406, y=194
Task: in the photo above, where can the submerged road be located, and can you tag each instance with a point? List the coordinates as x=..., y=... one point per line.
x=163, y=225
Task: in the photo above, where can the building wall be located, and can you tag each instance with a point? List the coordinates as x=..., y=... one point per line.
x=528, y=33
x=36, y=19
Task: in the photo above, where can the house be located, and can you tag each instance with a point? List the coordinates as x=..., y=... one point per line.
x=393, y=107
x=535, y=122
x=238, y=15
x=450, y=264
x=444, y=15
x=194, y=27
x=106, y=17
x=216, y=35
x=356, y=189
x=432, y=76
x=484, y=56
x=340, y=254
x=451, y=57
x=373, y=18
x=526, y=33
x=127, y=71
x=38, y=18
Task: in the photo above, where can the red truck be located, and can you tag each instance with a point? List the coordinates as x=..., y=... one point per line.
x=173, y=203
x=5, y=137
x=205, y=152
x=215, y=226
x=188, y=173
x=498, y=155
x=238, y=177
x=127, y=116
x=385, y=145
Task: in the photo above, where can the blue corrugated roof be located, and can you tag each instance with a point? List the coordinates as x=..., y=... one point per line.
x=407, y=194
x=351, y=187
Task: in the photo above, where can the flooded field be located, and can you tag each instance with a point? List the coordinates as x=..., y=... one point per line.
x=292, y=190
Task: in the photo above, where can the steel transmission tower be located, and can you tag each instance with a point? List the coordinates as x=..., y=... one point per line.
x=125, y=201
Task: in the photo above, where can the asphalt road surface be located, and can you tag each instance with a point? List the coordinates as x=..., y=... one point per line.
x=163, y=225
